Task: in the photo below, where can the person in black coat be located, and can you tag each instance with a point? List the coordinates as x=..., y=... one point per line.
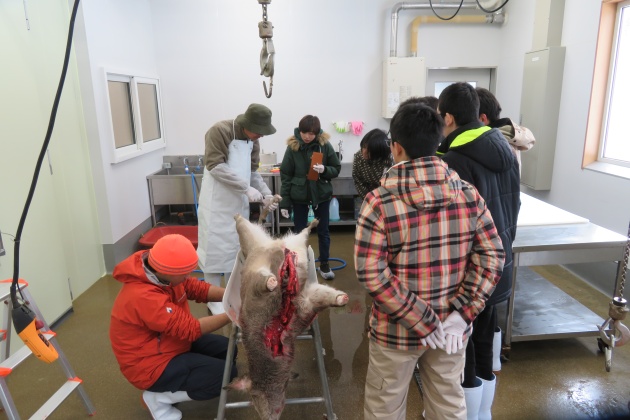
x=483, y=157
x=300, y=193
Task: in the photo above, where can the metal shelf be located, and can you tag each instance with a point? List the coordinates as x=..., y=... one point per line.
x=345, y=221
x=343, y=186
x=542, y=311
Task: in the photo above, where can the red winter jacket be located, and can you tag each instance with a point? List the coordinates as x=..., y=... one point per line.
x=151, y=323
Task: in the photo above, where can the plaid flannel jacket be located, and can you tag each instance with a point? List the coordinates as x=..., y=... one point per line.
x=425, y=246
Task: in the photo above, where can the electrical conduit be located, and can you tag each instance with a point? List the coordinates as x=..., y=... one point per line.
x=393, y=41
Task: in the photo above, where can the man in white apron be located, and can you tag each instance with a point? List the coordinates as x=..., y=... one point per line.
x=230, y=183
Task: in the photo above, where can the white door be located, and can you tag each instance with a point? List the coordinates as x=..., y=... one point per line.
x=438, y=79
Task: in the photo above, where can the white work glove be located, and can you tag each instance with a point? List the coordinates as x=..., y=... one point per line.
x=435, y=339
x=319, y=168
x=454, y=327
x=253, y=195
x=284, y=213
x=269, y=204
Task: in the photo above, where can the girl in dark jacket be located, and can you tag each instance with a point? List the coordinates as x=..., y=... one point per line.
x=371, y=161
x=299, y=193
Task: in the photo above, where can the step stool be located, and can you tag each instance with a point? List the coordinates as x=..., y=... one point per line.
x=312, y=333
x=8, y=363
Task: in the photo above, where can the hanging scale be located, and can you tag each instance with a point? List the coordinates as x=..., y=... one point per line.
x=265, y=31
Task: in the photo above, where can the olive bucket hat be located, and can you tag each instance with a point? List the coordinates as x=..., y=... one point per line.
x=257, y=119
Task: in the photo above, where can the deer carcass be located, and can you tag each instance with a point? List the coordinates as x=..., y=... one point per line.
x=277, y=305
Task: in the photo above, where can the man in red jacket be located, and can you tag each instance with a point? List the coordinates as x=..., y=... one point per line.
x=160, y=346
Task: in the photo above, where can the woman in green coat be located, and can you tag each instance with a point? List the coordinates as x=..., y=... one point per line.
x=299, y=193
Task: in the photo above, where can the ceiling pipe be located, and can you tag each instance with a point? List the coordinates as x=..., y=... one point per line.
x=427, y=6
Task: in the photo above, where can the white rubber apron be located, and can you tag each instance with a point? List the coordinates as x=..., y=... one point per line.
x=218, y=240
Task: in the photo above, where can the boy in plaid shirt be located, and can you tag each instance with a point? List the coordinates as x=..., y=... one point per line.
x=427, y=251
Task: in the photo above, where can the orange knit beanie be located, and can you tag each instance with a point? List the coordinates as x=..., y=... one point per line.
x=173, y=254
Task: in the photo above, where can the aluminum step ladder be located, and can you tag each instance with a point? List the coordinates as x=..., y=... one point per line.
x=312, y=333
x=8, y=363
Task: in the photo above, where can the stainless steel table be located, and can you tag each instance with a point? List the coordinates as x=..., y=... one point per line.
x=537, y=309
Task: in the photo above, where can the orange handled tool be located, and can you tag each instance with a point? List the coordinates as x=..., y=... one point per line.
x=27, y=326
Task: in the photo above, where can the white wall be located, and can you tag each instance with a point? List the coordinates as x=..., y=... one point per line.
x=115, y=35
x=602, y=198
x=60, y=248
x=516, y=39
x=328, y=63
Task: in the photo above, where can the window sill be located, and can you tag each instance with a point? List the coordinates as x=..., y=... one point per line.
x=609, y=169
x=147, y=148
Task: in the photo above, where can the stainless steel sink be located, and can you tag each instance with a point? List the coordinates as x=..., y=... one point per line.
x=173, y=186
x=175, y=171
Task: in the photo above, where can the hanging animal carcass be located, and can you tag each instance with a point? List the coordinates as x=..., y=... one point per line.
x=277, y=304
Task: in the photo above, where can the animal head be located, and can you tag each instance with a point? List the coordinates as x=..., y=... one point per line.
x=268, y=403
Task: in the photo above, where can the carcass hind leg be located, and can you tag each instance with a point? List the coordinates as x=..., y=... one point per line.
x=299, y=242
x=317, y=297
x=265, y=282
x=272, y=283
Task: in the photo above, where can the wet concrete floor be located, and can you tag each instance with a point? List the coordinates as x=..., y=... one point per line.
x=544, y=379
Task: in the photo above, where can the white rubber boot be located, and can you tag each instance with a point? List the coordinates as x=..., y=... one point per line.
x=487, y=397
x=496, y=351
x=160, y=404
x=214, y=279
x=473, y=401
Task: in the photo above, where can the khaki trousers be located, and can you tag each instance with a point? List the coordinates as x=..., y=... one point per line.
x=391, y=370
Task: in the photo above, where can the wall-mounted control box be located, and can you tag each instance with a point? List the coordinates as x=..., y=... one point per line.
x=540, y=110
x=403, y=77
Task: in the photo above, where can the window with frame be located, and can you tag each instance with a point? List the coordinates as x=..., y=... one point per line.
x=136, y=115
x=614, y=146
x=605, y=148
